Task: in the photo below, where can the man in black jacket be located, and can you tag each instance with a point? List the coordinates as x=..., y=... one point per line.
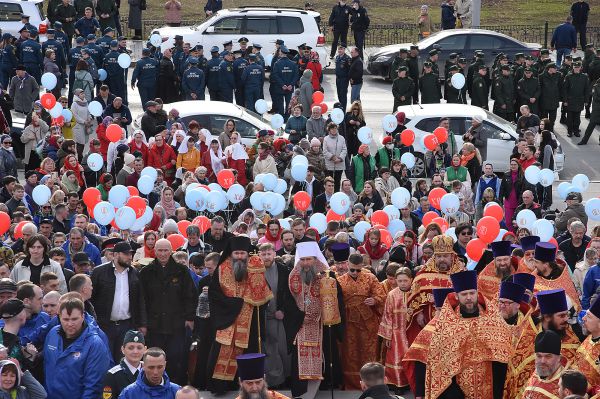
x=171, y=299
x=360, y=23
x=117, y=298
x=372, y=381
x=339, y=23
x=355, y=74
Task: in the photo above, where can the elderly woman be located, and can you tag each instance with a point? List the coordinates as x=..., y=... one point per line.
x=424, y=23
x=83, y=121
x=138, y=144
x=236, y=157
x=167, y=201
x=32, y=136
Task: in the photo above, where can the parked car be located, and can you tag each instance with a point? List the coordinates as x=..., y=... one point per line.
x=10, y=16
x=263, y=25
x=212, y=115
x=461, y=41
x=500, y=136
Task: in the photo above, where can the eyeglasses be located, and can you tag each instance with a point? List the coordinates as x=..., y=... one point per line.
x=466, y=233
x=355, y=270
x=7, y=142
x=63, y=101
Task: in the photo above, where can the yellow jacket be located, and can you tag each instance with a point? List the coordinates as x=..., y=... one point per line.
x=190, y=160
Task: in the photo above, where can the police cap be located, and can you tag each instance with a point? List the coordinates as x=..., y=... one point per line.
x=214, y=49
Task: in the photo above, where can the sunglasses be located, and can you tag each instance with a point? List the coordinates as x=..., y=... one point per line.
x=466, y=234
x=355, y=270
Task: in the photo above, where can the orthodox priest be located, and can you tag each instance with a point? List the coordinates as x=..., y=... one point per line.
x=500, y=269
x=237, y=293
x=513, y=309
x=527, y=262
x=544, y=381
x=586, y=358
x=527, y=280
x=251, y=370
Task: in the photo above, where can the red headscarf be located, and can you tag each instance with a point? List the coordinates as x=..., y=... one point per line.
x=318, y=237
x=150, y=253
x=75, y=169
x=270, y=237
x=375, y=252
x=154, y=224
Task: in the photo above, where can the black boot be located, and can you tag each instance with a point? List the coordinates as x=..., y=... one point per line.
x=587, y=113
x=569, y=134
x=577, y=134
x=563, y=119
x=582, y=142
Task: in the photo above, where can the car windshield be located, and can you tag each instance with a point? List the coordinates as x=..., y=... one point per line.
x=40, y=7
x=507, y=126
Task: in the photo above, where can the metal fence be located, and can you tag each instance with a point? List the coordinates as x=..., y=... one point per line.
x=384, y=34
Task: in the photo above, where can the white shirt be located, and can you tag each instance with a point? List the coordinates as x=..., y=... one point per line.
x=131, y=368
x=120, y=307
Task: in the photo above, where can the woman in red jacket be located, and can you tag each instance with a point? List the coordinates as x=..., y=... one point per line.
x=138, y=144
x=161, y=156
x=101, y=133
x=315, y=66
x=213, y=160
x=236, y=158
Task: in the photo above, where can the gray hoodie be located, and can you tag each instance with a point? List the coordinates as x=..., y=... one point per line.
x=306, y=92
x=26, y=385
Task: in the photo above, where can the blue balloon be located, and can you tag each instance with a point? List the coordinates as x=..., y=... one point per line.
x=563, y=189
x=279, y=206
x=95, y=108
x=261, y=106
x=236, y=193
x=392, y=212
x=340, y=203
x=281, y=186
x=124, y=217
x=360, y=229
x=151, y=172
x=299, y=159
x=256, y=200
x=194, y=199
x=269, y=200
x=102, y=74
x=124, y=60
x=67, y=114
x=269, y=181
x=319, y=222
x=145, y=184
x=95, y=161
x=214, y=201
x=118, y=196
x=365, y=135
x=104, y=213
x=49, y=80
x=215, y=187
x=41, y=194
x=400, y=197
x=299, y=172
x=395, y=226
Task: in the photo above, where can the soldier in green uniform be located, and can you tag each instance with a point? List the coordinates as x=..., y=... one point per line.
x=595, y=116
x=565, y=68
x=504, y=88
x=429, y=85
x=126, y=372
x=454, y=95
x=576, y=92
x=530, y=62
x=462, y=65
x=528, y=90
x=543, y=61
x=402, y=88
x=519, y=66
x=413, y=70
x=550, y=89
x=400, y=60
x=480, y=88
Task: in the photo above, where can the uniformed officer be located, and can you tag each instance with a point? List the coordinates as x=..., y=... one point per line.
x=505, y=94
x=31, y=56
x=25, y=22
x=402, y=88
x=342, y=80
x=429, y=85
x=302, y=58
x=226, y=77
x=212, y=75
x=550, y=89
x=8, y=60
x=239, y=65
x=400, y=60
x=192, y=82
x=243, y=42
x=126, y=372
x=413, y=70
x=180, y=56
x=57, y=47
x=62, y=38
x=434, y=55
x=576, y=92
x=528, y=90
x=450, y=61
x=256, y=48
x=480, y=88
x=146, y=75
x=519, y=66
x=339, y=22
x=454, y=95
x=96, y=52
x=115, y=76
x=92, y=69
x=198, y=52
x=104, y=41
x=543, y=61
x=227, y=46
x=74, y=57
x=23, y=36
x=473, y=69
x=252, y=79
x=285, y=76
x=178, y=46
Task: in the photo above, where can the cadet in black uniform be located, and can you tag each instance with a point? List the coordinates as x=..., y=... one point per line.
x=528, y=91
x=505, y=94
x=429, y=85
x=480, y=87
x=126, y=372
x=413, y=70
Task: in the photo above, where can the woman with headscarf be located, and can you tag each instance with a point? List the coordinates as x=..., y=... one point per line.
x=225, y=137
x=213, y=160
x=69, y=182
x=8, y=161
x=147, y=249
x=424, y=22
x=173, y=117
x=162, y=157
x=138, y=144
x=204, y=139
x=177, y=139
x=236, y=157
x=32, y=136
x=71, y=163
x=83, y=120
x=188, y=156
x=105, y=183
x=346, y=188
x=248, y=218
x=101, y=133
x=113, y=152
x=167, y=201
x=373, y=247
x=306, y=92
x=314, y=65
x=272, y=234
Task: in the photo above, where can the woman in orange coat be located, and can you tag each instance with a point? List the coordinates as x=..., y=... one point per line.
x=236, y=158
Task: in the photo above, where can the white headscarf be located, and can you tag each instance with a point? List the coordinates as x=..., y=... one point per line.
x=216, y=160
x=236, y=151
x=183, y=147
x=310, y=248
x=174, y=140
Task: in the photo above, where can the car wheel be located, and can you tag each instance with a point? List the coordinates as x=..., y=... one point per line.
x=419, y=169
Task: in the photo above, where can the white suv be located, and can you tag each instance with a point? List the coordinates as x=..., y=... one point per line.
x=261, y=25
x=10, y=16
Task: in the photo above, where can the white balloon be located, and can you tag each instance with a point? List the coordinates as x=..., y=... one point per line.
x=319, y=222
x=365, y=135
x=400, y=197
x=56, y=111
x=95, y=161
x=236, y=193
x=340, y=203
x=124, y=60
x=544, y=229
x=49, y=80
x=256, y=200
x=104, y=212
x=450, y=233
x=392, y=212
x=95, y=108
x=277, y=121
x=592, y=209
x=269, y=181
x=449, y=204
x=125, y=218
x=285, y=224
x=41, y=194
x=581, y=181
x=155, y=40
x=408, y=159
x=261, y=106
x=281, y=186
x=298, y=159
x=546, y=177
x=458, y=81
x=526, y=218
x=390, y=123
x=337, y=115
x=360, y=229
x=532, y=174
x=150, y=172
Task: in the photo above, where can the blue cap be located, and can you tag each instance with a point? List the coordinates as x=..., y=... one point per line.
x=528, y=242
x=545, y=252
x=280, y=42
x=226, y=52
x=91, y=36
x=340, y=251
x=6, y=36
x=501, y=248
x=251, y=366
x=527, y=280
x=50, y=32
x=214, y=49
x=463, y=281
x=193, y=60
x=108, y=29
x=114, y=43
x=511, y=291
x=146, y=51
x=439, y=296
x=80, y=40
x=252, y=56
x=552, y=301
x=284, y=49
x=57, y=25
x=595, y=308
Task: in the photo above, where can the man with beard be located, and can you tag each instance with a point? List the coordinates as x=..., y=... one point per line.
x=497, y=271
x=288, y=243
x=469, y=347
x=543, y=382
x=527, y=262
x=251, y=372
x=217, y=236
x=364, y=298
x=237, y=292
x=341, y=252
x=278, y=360
x=435, y=274
x=554, y=315
x=317, y=301
x=586, y=358
x=511, y=307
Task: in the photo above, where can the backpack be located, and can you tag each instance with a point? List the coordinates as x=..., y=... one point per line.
x=82, y=84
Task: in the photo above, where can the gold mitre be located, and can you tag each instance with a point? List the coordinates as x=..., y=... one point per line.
x=443, y=245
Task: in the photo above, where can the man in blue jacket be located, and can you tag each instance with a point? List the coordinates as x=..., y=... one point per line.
x=192, y=82
x=77, y=243
x=564, y=39
x=75, y=358
x=252, y=78
x=152, y=381
x=31, y=56
x=284, y=76
x=146, y=76
x=226, y=77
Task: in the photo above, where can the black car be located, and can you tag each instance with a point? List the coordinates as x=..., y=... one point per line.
x=464, y=42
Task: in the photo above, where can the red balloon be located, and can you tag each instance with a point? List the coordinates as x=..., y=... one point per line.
x=302, y=200
x=554, y=242
x=494, y=211
x=4, y=222
x=441, y=133
x=176, y=240
x=431, y=142
x=60, y=121
x=133, y=191
x=138, y=204
x=332, y=216
x=318, y=97
x=428, y=217
x=323, y=106
x=205, y=186
x=225, y=178
x=91, y=197
x=182, y=225
x=114, y=132
x=19, y=229
x=378, y=227
x=488, y=229
x=435, y=196
x=48, y=100
x=90, y=212
x=407, y=137
x=443, y=223
x=380, y=217
x=386, y=238
x=202, y=222
x=475, y=249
